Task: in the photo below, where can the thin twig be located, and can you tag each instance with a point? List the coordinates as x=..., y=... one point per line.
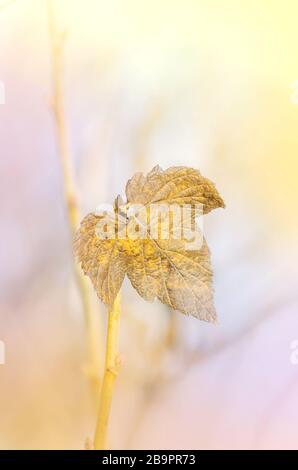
x=154, y=387
x=70, y=194
x=112, y=364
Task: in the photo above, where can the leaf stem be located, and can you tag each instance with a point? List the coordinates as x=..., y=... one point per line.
x=112, y=364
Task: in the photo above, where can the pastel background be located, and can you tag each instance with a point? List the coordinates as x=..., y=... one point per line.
x=202, y=83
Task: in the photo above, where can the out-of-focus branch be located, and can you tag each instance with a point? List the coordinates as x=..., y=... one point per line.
x=268, y=312
x=70, y=194
x=153, y=388
x=272, y=412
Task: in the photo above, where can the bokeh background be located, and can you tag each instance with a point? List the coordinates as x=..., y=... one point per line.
x=203, y=83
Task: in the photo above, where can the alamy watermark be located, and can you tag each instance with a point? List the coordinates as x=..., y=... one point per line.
x=294, y=352
x=294, y=94
x=2, y=352
x=2, y=93
x=155, y=222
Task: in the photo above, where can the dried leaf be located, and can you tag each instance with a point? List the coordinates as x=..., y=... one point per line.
x=100, y=259
x=157, y=266
x=179, y=278
x=180, y=185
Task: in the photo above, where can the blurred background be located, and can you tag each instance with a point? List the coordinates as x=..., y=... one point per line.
x=202, y=83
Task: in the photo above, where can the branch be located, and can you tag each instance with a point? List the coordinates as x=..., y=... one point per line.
x=112, y=364
x=70, y=193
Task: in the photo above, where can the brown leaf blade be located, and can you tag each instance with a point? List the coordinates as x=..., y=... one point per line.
x=179, y=278
x=176, y=185
x=100, y=260
x=162, y=267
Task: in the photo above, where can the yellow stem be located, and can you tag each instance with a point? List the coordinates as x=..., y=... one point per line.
x=112, y=364
x=70, y=194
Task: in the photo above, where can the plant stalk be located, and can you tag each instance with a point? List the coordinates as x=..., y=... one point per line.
x=112, y=364
x=70, y=194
